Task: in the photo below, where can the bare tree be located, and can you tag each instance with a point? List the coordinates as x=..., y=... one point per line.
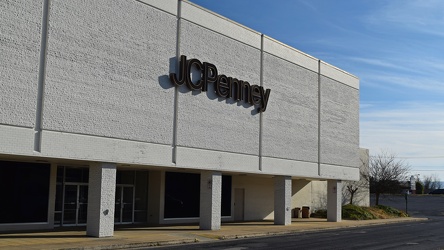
x=427, y=180
x=357, y=192
x=354, y=191
x=436, y=182
x=385, y=173
x=431, y=182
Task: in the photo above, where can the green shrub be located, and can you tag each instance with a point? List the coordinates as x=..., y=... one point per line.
x=321, y=213
x=353, y=212
x=392, y=211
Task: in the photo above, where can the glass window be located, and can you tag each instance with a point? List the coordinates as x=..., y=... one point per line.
x=141, y=196
x=24, y=188
x=182, y=195
x=226, y=195
x=76, y=175
x=125, y=177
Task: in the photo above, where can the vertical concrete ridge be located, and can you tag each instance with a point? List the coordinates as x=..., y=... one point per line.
x=319, y=117
x=176, y=90
x=41, y=80
x=261, y=82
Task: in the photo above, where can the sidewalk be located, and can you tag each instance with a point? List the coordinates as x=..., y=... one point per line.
x=131, y=237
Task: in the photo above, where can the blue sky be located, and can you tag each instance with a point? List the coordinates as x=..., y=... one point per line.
x=395, y=47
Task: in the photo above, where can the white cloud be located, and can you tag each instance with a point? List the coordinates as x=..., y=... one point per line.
x=411, y=130
x=416, y=15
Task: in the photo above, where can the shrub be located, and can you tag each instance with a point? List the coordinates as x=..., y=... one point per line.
x=321, y=213
x=392, y=211
x=353, y=212
x=419, y=188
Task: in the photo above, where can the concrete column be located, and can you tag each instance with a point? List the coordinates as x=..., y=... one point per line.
x=334, y=200
x=101, y=200
x=282, y=200
x=210, y=200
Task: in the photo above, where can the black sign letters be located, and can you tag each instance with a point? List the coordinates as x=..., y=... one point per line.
x=224, y=86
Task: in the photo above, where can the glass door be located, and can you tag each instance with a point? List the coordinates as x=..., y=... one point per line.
x=124, y=206
x=75, y=204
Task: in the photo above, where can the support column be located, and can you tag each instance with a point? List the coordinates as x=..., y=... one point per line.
x=210, y=200
x=334, y=200
x=101, y=200
x=282, y=200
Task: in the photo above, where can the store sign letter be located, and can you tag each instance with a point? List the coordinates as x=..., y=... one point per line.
x=224, y=86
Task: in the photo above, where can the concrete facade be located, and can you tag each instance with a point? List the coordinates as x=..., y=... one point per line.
x=88, y=82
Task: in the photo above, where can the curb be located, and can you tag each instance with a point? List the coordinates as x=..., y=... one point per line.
x=376, y=223
x=241, y=236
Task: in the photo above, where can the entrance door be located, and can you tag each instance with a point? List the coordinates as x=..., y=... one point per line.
x=239, y=204
x=124, y=207
x=75, y=204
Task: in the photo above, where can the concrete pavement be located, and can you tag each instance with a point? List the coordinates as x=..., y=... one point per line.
x=136, y=237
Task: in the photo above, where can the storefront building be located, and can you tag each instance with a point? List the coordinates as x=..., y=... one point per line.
x=161, y=112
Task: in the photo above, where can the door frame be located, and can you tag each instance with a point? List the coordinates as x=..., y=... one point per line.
x=120, y=210
x=77, y=185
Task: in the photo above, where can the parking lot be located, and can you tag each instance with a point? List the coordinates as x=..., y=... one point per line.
x=417, y=205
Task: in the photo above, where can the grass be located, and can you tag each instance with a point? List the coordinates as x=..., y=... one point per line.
x=353, y=212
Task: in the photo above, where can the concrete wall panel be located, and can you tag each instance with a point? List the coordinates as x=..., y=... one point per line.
x=20, y=38
x=220, y=24
x=290, y=123
x=216, y=160
x=339, y=172
x=339, y=123
x=277, y=166
x=288, y=53
x=206, y=120
x=169, y=6
x=16, y=140
x=93, y=148
x=259, y=192
x=339, y=75
x=301, y=193
x=318, y=195
x=107, y=70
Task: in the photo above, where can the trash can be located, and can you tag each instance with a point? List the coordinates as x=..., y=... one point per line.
x=297, y=212
x=305, y=212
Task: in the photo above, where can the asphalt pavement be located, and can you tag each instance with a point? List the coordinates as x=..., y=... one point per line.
x=143, y=237
x=427, y=219
x=417, y=205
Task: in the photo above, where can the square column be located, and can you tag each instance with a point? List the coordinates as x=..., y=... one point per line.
x=101, y=200
x=334, y=200
x=210, y=200
x=282, y=200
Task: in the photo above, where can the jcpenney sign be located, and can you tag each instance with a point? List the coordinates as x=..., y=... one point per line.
x=224, y=86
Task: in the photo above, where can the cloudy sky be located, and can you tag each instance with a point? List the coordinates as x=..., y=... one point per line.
x=395, y=47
